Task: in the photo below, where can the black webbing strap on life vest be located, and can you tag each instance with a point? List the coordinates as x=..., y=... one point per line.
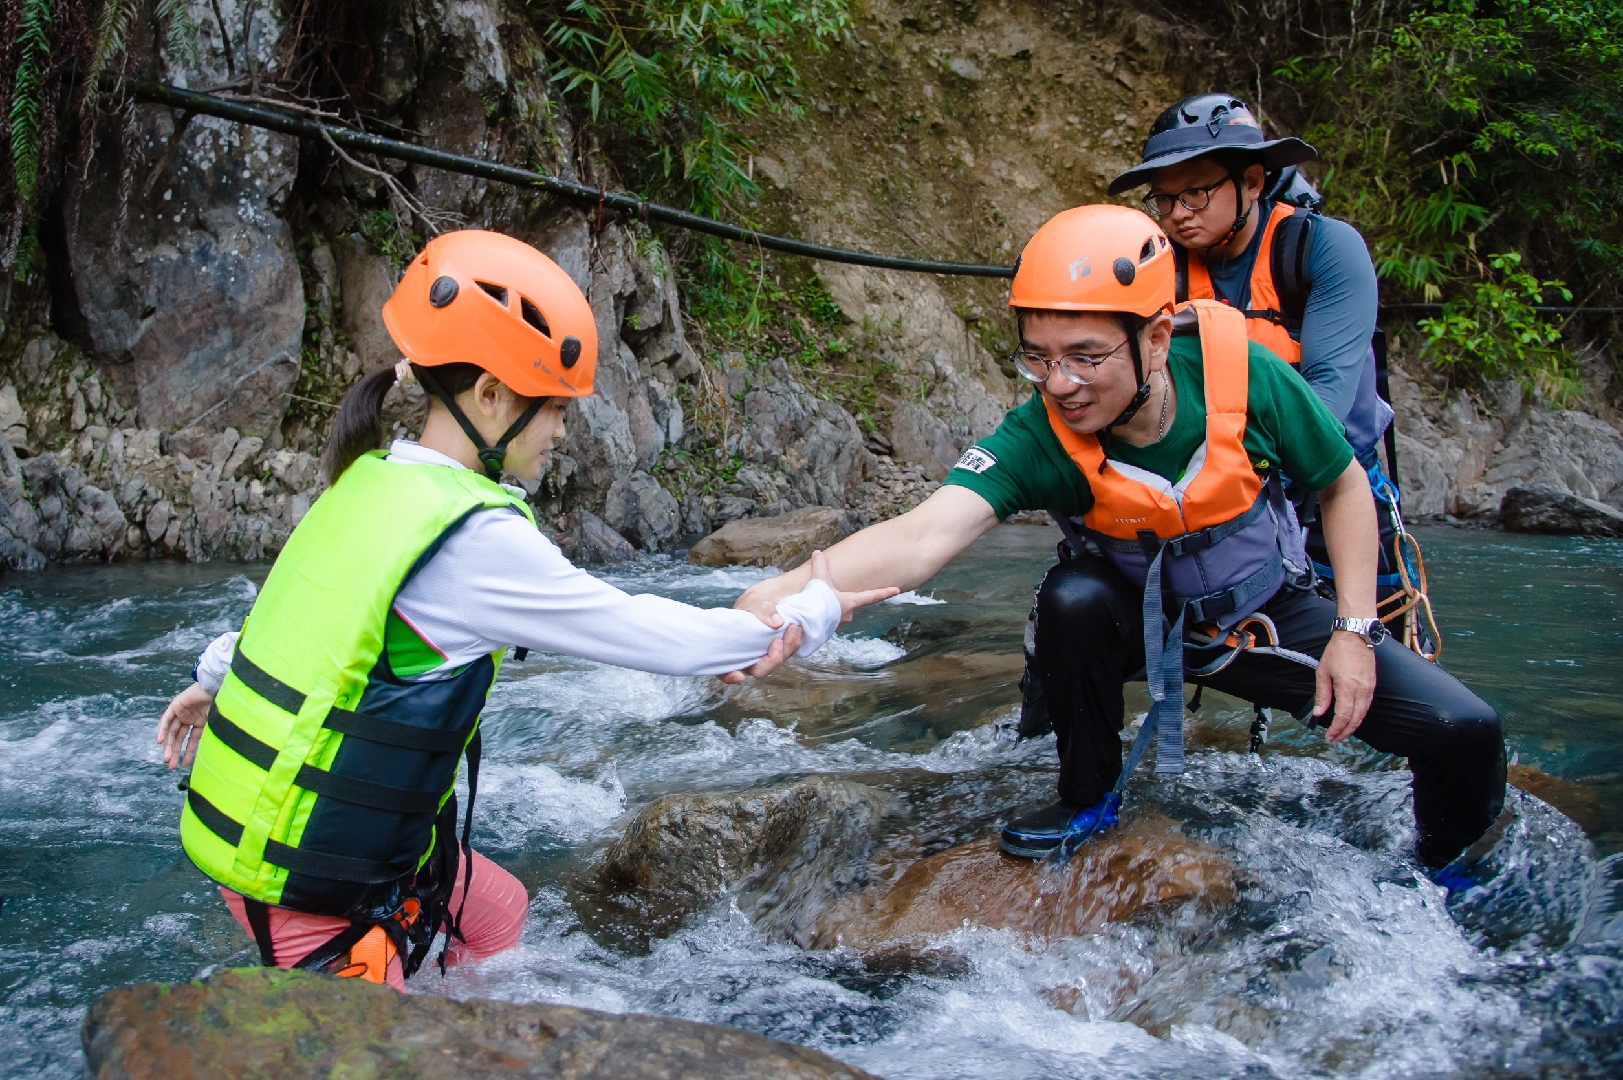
x=453, y=928
x=298, y=860
x=361, y=725
x=343, y=788
x=259, y=922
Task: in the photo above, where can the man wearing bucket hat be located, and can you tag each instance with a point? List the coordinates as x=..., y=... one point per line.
x=1247, y=231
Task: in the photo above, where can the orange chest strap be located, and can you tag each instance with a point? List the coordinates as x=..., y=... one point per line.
x=1220, y=484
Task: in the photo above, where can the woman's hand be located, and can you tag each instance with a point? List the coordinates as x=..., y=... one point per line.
x=1346, y=676
x=181, y=725
x=788, y=644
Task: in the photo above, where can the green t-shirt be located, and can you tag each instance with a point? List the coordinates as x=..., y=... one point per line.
x=1022, y=466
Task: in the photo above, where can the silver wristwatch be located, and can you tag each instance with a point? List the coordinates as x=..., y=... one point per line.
x=1373, y=631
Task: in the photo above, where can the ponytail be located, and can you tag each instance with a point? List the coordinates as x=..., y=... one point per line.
x=358, y=425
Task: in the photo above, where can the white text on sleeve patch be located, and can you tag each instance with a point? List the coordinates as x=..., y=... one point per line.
x=976, y=460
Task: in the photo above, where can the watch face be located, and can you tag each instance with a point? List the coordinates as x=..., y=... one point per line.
x=1377, y=632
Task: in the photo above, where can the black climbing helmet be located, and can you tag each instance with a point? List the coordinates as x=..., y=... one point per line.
x=1203, y=124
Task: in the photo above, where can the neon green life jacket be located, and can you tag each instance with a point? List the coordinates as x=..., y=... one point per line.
x=324, y=781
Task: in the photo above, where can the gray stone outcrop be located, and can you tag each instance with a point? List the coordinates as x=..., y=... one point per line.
x=295, y=1025
x=193, y=303
x=1543, y=509
x=1457, y=457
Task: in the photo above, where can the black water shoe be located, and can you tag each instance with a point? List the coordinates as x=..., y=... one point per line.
x=1036, y=835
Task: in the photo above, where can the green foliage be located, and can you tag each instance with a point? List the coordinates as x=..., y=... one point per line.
x=33, y=46
x=60, y=62
x=669, y=79
x=1493, y=331
x=1459, y=119
x=389, y=236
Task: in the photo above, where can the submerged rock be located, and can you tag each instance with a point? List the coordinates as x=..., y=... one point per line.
x=783, y=851
x=784, y=541
x=1141, y=863
x=291, y=1024
x=1540, y=509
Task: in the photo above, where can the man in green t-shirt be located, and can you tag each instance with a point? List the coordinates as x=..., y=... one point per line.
x=1159, y=452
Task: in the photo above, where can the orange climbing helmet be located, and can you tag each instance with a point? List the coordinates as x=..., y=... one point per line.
x=1096, y=258
x=484, y=298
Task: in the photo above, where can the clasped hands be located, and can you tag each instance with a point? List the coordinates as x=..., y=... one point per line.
x=785, y=646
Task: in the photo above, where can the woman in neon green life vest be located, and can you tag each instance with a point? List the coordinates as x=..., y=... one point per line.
x=327, y=734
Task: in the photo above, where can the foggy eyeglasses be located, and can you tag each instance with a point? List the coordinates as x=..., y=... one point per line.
x=1195, y=198
x=1080, y=368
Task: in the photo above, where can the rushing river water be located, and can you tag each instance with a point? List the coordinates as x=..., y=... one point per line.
x=1335, y=959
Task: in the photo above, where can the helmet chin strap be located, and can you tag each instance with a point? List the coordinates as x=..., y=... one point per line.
x=1143, y=393
x=1239, y=222
x=491, y=457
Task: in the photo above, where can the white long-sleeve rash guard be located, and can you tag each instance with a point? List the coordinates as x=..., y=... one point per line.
x=497, y=582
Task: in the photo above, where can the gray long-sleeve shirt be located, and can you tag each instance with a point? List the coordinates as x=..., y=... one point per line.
x=1341, y=306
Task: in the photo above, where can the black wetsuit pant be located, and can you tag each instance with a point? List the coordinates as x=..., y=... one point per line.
x=1088, y=642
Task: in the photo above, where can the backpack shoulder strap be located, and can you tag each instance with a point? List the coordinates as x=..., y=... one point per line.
x=1288, y=261
x=1180, y=270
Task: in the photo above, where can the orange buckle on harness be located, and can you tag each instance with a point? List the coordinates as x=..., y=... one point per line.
x=369, y=958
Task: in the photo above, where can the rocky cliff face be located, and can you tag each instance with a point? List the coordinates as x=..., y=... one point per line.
x=165, y=387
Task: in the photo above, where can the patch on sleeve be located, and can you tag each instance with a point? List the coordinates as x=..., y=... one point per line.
x=976, y=460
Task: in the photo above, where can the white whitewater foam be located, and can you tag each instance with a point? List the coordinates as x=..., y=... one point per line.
x=918, y=599
x=857, y=652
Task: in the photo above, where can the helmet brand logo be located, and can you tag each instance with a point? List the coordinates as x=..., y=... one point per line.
x=1080, y=268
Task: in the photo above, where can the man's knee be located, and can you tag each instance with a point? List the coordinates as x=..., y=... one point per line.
x=1074, y=596
x=1474, y=721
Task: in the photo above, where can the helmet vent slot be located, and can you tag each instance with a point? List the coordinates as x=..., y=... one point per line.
x=533, y=316
x=497, y=292
x=1147, y=252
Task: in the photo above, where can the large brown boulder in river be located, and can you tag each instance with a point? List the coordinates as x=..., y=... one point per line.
x=782, y=851
x=783, y=541
x=287, y=1025
x=1142, y=862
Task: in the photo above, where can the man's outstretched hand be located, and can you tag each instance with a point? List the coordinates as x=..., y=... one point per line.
x=786, y=646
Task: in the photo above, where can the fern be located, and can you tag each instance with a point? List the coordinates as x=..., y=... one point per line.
x=27, y=95
x=180, y=33
x=112, y=37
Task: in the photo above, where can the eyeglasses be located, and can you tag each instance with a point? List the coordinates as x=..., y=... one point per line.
x=1080, y=368
x=1195, y=198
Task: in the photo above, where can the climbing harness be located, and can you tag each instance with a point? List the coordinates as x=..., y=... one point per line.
x=1406, y=609
x=1410, y=602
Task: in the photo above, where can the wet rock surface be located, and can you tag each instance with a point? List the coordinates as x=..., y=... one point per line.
x=781, y=851
x=254, y=1023
x=783, y=540
x=1143, y=862
x=1541, y=509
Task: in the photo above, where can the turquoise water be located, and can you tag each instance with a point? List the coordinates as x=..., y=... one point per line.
x=1336, y=960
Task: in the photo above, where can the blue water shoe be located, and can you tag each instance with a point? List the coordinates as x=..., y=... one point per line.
x=1455, y=877
x=1036, y=835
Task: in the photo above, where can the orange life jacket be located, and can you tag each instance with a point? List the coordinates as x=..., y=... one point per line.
x=1219, y=542
x=1265, y=319
x=1219, y=483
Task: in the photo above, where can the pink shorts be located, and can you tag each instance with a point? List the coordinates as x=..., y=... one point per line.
x=491, y=921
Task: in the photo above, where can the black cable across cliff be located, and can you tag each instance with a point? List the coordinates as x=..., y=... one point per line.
x=584, y=194
x=242, y=112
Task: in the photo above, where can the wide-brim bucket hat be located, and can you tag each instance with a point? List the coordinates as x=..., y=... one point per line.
x=1203, y=124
